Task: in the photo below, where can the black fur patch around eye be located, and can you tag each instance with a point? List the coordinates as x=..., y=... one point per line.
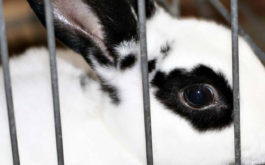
x=215, y=117
x=151, y=65
x=127, y=62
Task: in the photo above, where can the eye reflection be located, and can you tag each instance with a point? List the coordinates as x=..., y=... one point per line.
x=198, y=96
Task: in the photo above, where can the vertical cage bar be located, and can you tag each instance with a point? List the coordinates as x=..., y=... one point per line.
x=221, y=9
x=54, y=81
x=8, y=89
x=175, y=9
x=236, y=94
x=145, y=81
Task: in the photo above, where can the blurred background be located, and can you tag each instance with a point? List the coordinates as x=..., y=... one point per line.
x=24, y=30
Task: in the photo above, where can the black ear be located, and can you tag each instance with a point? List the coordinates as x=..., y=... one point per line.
x=93, y=27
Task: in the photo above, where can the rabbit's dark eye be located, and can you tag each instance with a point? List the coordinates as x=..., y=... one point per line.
x=198, y=96
x=201, y=96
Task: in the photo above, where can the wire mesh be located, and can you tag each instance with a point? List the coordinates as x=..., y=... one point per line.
x=54, y=81
x=8, y=89
x=145, y=81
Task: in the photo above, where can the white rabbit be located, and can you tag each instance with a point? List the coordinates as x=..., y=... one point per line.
x=102, y=116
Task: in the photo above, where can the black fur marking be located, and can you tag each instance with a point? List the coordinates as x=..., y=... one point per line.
x=127, y=62
x=216, y=117
x=118, y=24
x=99, y=56
x=165, y=49
x=111, y=91
x=151, y=65
x=75, y=39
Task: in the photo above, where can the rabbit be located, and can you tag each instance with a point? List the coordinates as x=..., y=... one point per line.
x=190, y=80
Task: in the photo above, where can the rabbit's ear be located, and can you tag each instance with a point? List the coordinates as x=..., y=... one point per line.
x=92, y=27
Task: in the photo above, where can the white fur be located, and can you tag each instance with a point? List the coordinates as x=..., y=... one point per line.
x=86, y=137
x=97, y=132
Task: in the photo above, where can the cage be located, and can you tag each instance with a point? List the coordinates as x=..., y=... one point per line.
x=175, y=7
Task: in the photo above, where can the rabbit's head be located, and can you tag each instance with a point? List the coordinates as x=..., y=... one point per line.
x=190, y=76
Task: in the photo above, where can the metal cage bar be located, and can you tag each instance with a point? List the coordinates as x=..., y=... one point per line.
x=145, y=81
x=236, y=94
x=233, y=19
x=54, y=81
x=222, y=10
x=8, y=89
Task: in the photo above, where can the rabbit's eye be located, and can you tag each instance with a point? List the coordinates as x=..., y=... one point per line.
x=201, y=96
x=198, y=96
